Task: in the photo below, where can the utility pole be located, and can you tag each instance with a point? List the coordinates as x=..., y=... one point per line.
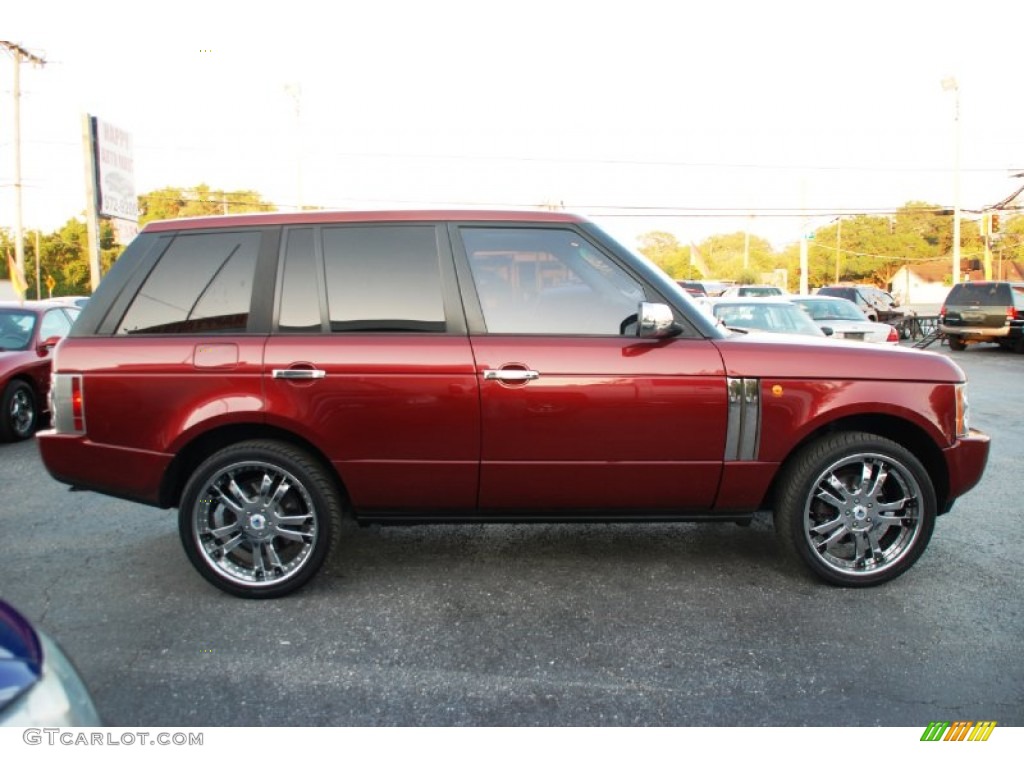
x=839, y=241
x=950, y=84
x=294, y=90
x=19, y=54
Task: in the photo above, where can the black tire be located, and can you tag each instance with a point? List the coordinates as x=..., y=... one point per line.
x=856, y=508
x=19, y=416
x=259, y=518
x=956, y=344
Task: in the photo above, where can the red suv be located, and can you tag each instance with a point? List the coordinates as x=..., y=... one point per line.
x=268, y=374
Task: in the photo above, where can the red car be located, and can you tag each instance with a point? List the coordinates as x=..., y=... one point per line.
x=28, y=333
x=268, y=374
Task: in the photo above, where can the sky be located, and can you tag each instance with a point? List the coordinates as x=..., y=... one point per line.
x=682, y=117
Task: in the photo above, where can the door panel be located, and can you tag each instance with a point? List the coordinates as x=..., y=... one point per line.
x=608, y=423
x=397, y=415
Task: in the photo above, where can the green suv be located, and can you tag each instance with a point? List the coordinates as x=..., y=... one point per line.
x=984, y=311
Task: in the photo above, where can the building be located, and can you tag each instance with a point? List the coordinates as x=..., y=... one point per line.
x=926, y=283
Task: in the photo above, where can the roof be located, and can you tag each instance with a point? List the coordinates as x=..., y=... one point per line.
x=349, y=217
x=32, y=306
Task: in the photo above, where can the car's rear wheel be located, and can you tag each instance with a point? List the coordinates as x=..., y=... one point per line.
x=258, y=519
x=857, y=509
x=957, y=344
x=18, y=414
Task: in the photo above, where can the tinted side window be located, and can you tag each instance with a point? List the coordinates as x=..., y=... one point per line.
x=548, y=281
x=202, y=284
x=300, y=294
x=383, y=278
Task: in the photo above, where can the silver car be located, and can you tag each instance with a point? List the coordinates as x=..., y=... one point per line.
x=845, y=320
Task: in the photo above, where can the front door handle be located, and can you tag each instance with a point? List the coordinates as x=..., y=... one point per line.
x=298, y=373
x=510, y=374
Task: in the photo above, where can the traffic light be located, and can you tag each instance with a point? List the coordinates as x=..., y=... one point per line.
x=995, y=223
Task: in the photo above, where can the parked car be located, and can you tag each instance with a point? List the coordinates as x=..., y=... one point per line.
x=28, y=333
x=841, y=319
x=693, y=288
x=39, y=685
x=75, y=301
x=876, y=304
x=752, y=290
x=984, y=312
x=479, y=366
x=769, y=314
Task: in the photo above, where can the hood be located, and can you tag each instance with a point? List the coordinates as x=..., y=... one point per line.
x=768, y=356
x=21, y=655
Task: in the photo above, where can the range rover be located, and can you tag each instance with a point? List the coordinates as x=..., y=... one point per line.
x=268, y=374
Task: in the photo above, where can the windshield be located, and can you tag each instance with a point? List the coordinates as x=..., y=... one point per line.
x=838, y=309
x=16, y=328
x=774, y=318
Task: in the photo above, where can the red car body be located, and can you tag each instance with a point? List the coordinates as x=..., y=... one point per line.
x=29, y=331
x=693, y=423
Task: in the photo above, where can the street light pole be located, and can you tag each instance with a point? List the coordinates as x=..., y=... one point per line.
x=950, y=84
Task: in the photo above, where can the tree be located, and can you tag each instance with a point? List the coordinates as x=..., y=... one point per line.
x=664, y=250
x=724, y=256
x=177, y=203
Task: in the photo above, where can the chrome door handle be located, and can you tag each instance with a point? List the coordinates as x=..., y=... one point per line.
x=510, y=374
x=298, y=373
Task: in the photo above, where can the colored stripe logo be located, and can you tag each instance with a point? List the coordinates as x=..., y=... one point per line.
x=961, y=730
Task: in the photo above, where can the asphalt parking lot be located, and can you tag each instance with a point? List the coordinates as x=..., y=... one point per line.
x=668, y=624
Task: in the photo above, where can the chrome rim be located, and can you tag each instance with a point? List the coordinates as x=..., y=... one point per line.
x=864, y=514
x=22, y=412
x=255, y=523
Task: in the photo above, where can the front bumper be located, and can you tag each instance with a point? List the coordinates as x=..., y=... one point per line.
x=965, y=462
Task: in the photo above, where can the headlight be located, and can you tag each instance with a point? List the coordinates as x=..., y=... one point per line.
x=58, y=699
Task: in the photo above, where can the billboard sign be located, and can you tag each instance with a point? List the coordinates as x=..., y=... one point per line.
x=115, y=172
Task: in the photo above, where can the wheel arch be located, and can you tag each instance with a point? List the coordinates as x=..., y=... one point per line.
x=25, y=377
x=899, y=430
x=197, y=450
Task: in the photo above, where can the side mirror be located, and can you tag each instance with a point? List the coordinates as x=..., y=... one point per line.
x=47, y=345
x=656, y=321
x=826, y=330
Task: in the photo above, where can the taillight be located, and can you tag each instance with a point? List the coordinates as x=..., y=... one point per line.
x=942, y=312
x=893, y=335
x=77, y=405
x=67, y=399
x=1011, y=313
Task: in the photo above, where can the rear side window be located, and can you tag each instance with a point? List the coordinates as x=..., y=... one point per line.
x=981, y=295
x=383, y=278
x=202, y=284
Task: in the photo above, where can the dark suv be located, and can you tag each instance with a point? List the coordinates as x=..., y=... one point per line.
x=266, y=374
x=984, y=311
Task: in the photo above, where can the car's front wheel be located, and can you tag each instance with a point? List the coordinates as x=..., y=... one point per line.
x=258, y=519
x=18, y=417
x=858, y=509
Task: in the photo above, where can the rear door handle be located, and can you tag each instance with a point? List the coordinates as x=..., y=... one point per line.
x=298, y=373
